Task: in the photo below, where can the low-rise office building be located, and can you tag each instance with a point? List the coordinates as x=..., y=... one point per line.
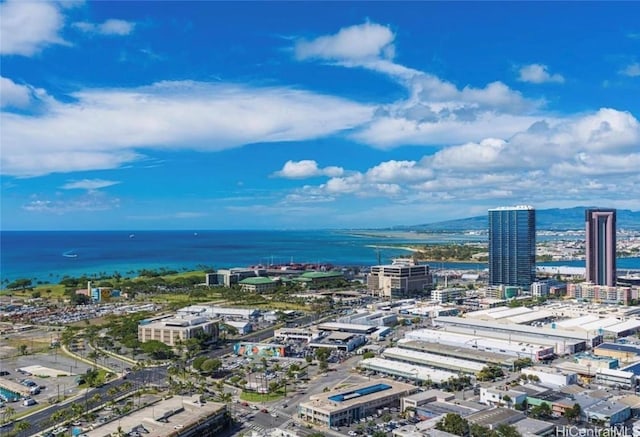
x=229, y=277
x=446, y=295
x=401, y=278
x=173, y=330
x=616, y=378
x=350, y=405
x=258, y=284
x=607, y=413
x=218, y=312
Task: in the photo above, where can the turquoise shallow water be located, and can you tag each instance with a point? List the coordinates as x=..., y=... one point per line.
x=49, y=255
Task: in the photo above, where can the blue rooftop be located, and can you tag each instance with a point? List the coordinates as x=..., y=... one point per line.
x=360, y=392
x=634, y=368
x=620, y=347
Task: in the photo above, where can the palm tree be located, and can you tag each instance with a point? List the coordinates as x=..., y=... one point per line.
x=21, y=426
x=7, y=414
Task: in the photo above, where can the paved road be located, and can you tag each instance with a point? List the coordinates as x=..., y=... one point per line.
x=39, y=420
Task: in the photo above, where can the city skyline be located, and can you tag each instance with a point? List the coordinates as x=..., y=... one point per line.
x=224, y=115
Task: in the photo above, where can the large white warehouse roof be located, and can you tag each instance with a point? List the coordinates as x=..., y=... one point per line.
x=410, y=371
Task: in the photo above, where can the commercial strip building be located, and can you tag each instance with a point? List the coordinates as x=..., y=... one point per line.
x=412, y=372
x=172, y=330
x=343, y=341
x=297, y=334
x=350, y=405
x=176, y=417
x=535, y=352
x=400, y=279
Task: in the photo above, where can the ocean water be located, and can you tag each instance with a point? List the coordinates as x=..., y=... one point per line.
x=47, y=256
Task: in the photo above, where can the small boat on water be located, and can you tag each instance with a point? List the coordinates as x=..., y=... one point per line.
x=70, y=254
x=132, y=235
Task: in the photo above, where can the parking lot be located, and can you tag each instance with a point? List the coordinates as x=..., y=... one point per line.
x=57, y=380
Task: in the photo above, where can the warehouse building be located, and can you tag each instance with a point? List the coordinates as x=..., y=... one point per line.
x=623, y=329
x=551, y=377
x=483, y=327
x=561, y=347
x=411, y=372
x=432, y=360
x=535, y=352
x=352, y=328
x=378, y=318
x=625, y=353
x=483, y=357
x=347, y=406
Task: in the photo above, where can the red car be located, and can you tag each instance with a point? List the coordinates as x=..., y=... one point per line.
x=264, y=410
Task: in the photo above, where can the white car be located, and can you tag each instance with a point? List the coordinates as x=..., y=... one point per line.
x=274, y=414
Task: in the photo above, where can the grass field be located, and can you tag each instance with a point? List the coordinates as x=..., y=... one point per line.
x=261, y=397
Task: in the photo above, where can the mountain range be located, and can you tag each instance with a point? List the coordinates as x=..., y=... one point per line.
x=554, y=219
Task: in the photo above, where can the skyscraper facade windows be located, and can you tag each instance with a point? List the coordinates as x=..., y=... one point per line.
x=600, y=246
x=512, y=246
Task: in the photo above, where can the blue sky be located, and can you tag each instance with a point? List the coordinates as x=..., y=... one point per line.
x=240, y=115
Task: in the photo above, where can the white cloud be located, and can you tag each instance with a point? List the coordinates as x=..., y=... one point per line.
x=27, y=27
x=359, y=42
x=109, y=27
x=398, y=171
x=538, y=73
x=103, y=129
x=435, y=112
x=306, y=169
x=537, y=164
x=632, y=70
x=13, y=94
x=88, y=184
x=90, y=201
